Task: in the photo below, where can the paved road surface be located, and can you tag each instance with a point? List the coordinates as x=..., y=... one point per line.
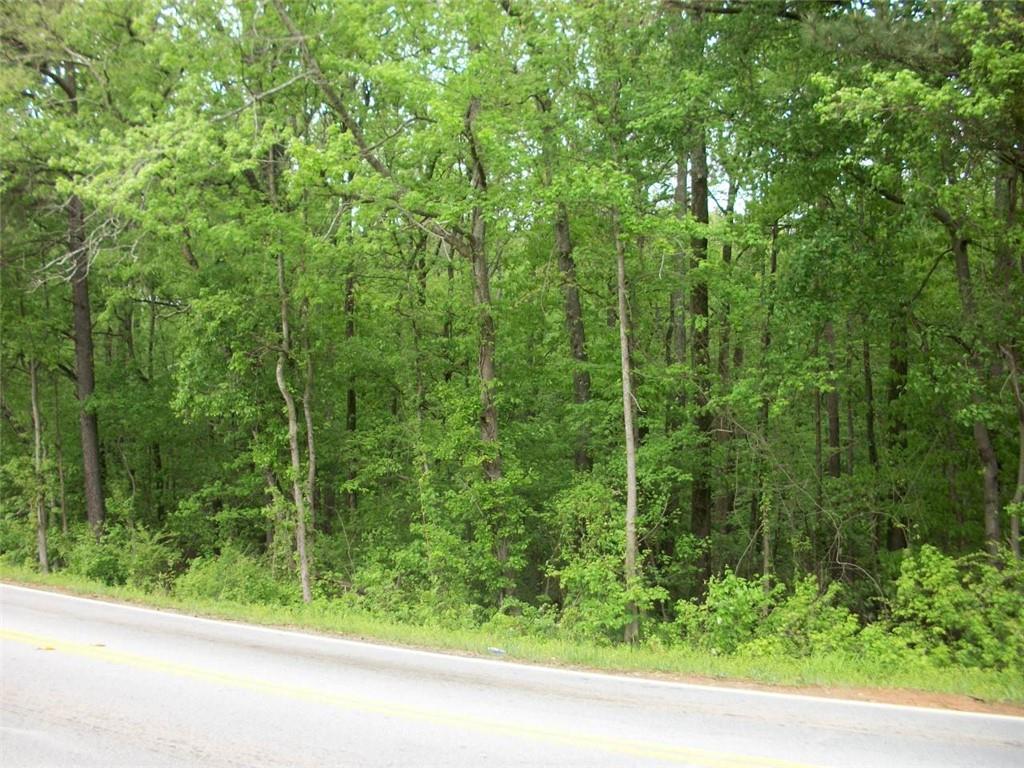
x=87, y=683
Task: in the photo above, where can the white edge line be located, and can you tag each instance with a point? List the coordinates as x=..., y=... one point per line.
x=604, y=676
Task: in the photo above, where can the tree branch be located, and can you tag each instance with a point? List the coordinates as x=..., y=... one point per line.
x=333, y=98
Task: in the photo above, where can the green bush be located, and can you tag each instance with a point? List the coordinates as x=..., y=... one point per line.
x=888, y=650
x=236, y=577
x=94, y=558
x=730, y=614
x=19, y=486
x=806, y=622
x=148, y=559
x=17, y=539
x=518, y=619
x=746, y=617
x=965, y=611
x=121, y=555
x=589, y=565
x=595, y=602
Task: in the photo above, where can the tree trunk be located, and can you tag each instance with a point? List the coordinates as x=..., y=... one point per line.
x=351, y=497
x=39, y=486
x=574, y=327
x=832, y=404
x=982, y=439
x=293, y=435
x=700, y=499
x=850, y=444
x=869, y=407
x=1017, y=502
x=1006, y=273
x=818, y=450
x=85, y=378
x=896, y=534
x=570, y=287
x=675, y=341
x=724, y=327
x=632, y=627
x=307, y=413
x=761, y=511
x=59, y=449
x=486, y=368
x=872, y=441
x=726, y=498
x=675, y=357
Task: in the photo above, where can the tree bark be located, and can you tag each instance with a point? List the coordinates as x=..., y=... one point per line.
x=850, y=443
x=85, y=377
x=869, y=407
x=700, y=498
x=982, y=438
x=1007, y=274
x=39, y=486
x=1017, y=501
x=725, y=329
x=871, y=438
x=675, y=342
x=726, y=498
x=351, y=497
x=482, y=299
x=307, y=413
x=760, y=511
x=293, y=435
x=59, y=449
x=632, y=627
x=676, y=356
x=574, y=327
x=832, y=404
x=896, y=533
x=818, y=450
x=486, y=368
x=570, y=287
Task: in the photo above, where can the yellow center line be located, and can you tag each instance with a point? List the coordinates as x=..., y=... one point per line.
x=634, y=748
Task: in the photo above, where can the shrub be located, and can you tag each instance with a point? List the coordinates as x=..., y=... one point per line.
x=589, y=564
x=96, y=558
x=519, y=619
x=730, y=614
x=595, y=602
x=963, y=611
x=236, y=577
x=121, y=555
x=17, y=539
x=148, y=560
x=806, y=622
x=19, y=486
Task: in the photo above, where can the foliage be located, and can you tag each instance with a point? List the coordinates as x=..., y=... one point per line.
x=730, y=615
x=121, y=555
x=825, y=366
x=963, y=611
x=233, y=576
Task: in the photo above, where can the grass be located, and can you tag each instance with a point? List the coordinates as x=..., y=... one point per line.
x=873, y=679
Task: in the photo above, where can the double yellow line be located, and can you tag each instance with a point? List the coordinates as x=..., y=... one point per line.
x=632, y=748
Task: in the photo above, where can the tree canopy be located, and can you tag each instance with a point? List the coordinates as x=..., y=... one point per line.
x=478, y=307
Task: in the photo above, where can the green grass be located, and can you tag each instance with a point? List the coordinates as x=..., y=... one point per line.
x=821, y=672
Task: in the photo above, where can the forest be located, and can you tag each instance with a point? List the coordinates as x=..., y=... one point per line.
x=648, y=321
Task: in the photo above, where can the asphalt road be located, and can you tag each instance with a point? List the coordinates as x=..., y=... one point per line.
x=88, y=683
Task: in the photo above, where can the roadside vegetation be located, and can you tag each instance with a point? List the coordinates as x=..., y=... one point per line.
x=951, y=626
x=675, y=335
